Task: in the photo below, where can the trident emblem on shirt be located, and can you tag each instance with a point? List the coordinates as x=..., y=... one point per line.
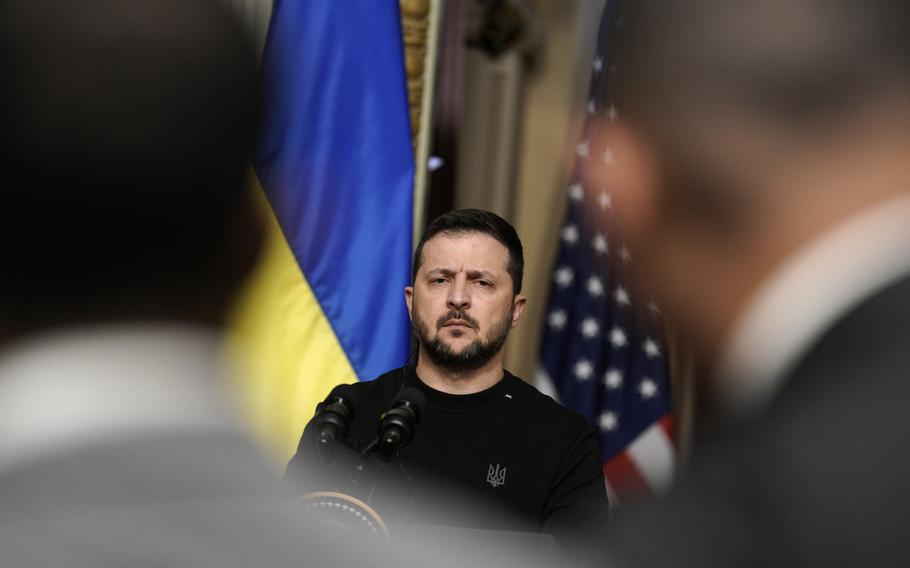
x=496, y=476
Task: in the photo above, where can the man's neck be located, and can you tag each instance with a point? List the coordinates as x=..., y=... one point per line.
x=467, y=382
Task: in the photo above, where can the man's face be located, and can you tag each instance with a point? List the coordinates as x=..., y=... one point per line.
x=462, y=305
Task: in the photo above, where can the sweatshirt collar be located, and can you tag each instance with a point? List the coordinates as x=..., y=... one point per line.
x=503, y=390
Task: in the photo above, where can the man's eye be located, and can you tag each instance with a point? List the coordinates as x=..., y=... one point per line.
x=484, y=283
x=438, y=281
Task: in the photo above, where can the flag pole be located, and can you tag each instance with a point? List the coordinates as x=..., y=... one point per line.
x=420, y=33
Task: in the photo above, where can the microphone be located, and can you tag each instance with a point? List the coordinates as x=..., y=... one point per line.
x=396, y=429
x=397, y=424
x=335, y=414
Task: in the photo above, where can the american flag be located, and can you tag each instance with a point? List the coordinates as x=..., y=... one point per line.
x=602, y=350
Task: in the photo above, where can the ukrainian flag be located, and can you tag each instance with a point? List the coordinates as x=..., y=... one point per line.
x=336, y=168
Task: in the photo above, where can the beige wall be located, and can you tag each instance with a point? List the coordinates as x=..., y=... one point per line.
x=554, y=98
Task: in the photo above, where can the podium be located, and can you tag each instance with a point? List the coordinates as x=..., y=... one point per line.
x=478, y=546
x=469, y=546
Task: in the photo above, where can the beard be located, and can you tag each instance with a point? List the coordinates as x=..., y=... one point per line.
x=475, y=355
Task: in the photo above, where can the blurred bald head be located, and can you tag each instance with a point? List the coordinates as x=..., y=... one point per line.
x=126, y=129
x=789, y=61
x=746, y=129
x=726, y=89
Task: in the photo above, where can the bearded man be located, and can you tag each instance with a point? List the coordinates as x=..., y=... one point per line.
x=490, y=450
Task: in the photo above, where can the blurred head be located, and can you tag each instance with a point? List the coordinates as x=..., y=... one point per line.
x=466, y=295
x=746, y=129
x=126, y=131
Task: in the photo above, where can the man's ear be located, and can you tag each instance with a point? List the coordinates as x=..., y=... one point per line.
x=621, y=176
x=409, y=300
x=518, y=306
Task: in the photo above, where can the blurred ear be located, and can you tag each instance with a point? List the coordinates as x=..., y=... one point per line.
x=248, y=229
x=242, y=246
x=622, y=166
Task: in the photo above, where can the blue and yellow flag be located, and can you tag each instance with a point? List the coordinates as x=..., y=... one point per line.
x=335, y=164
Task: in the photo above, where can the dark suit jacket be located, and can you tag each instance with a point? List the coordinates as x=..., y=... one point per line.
x=821, y=479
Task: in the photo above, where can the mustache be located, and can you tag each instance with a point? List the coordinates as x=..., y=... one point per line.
x=456, y=315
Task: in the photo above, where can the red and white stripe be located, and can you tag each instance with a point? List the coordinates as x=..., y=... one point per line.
x=645, y=468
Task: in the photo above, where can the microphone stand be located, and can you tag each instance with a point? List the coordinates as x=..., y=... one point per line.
x=372, y=470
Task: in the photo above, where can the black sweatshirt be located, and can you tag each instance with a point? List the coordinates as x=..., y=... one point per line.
x=506, y=458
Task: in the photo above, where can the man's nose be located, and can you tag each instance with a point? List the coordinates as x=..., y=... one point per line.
x=459, y=295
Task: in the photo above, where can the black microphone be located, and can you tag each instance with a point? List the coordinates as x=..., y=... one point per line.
x=397, y=424
x=335, y=414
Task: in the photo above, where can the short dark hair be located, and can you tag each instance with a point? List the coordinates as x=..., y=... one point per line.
x=127, y=130
x=477, y=221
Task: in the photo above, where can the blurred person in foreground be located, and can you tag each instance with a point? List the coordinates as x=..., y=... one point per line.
x=126, y=130
x=762, y=174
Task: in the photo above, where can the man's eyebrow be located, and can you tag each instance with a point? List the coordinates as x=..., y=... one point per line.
x=441, y=271
x=470, y=273
x=481, y=274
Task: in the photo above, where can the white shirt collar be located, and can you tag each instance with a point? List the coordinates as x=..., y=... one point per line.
x=83, y=386
x=805, y=296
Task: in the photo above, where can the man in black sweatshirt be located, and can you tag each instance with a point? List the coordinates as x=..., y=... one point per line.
x=490, y=451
